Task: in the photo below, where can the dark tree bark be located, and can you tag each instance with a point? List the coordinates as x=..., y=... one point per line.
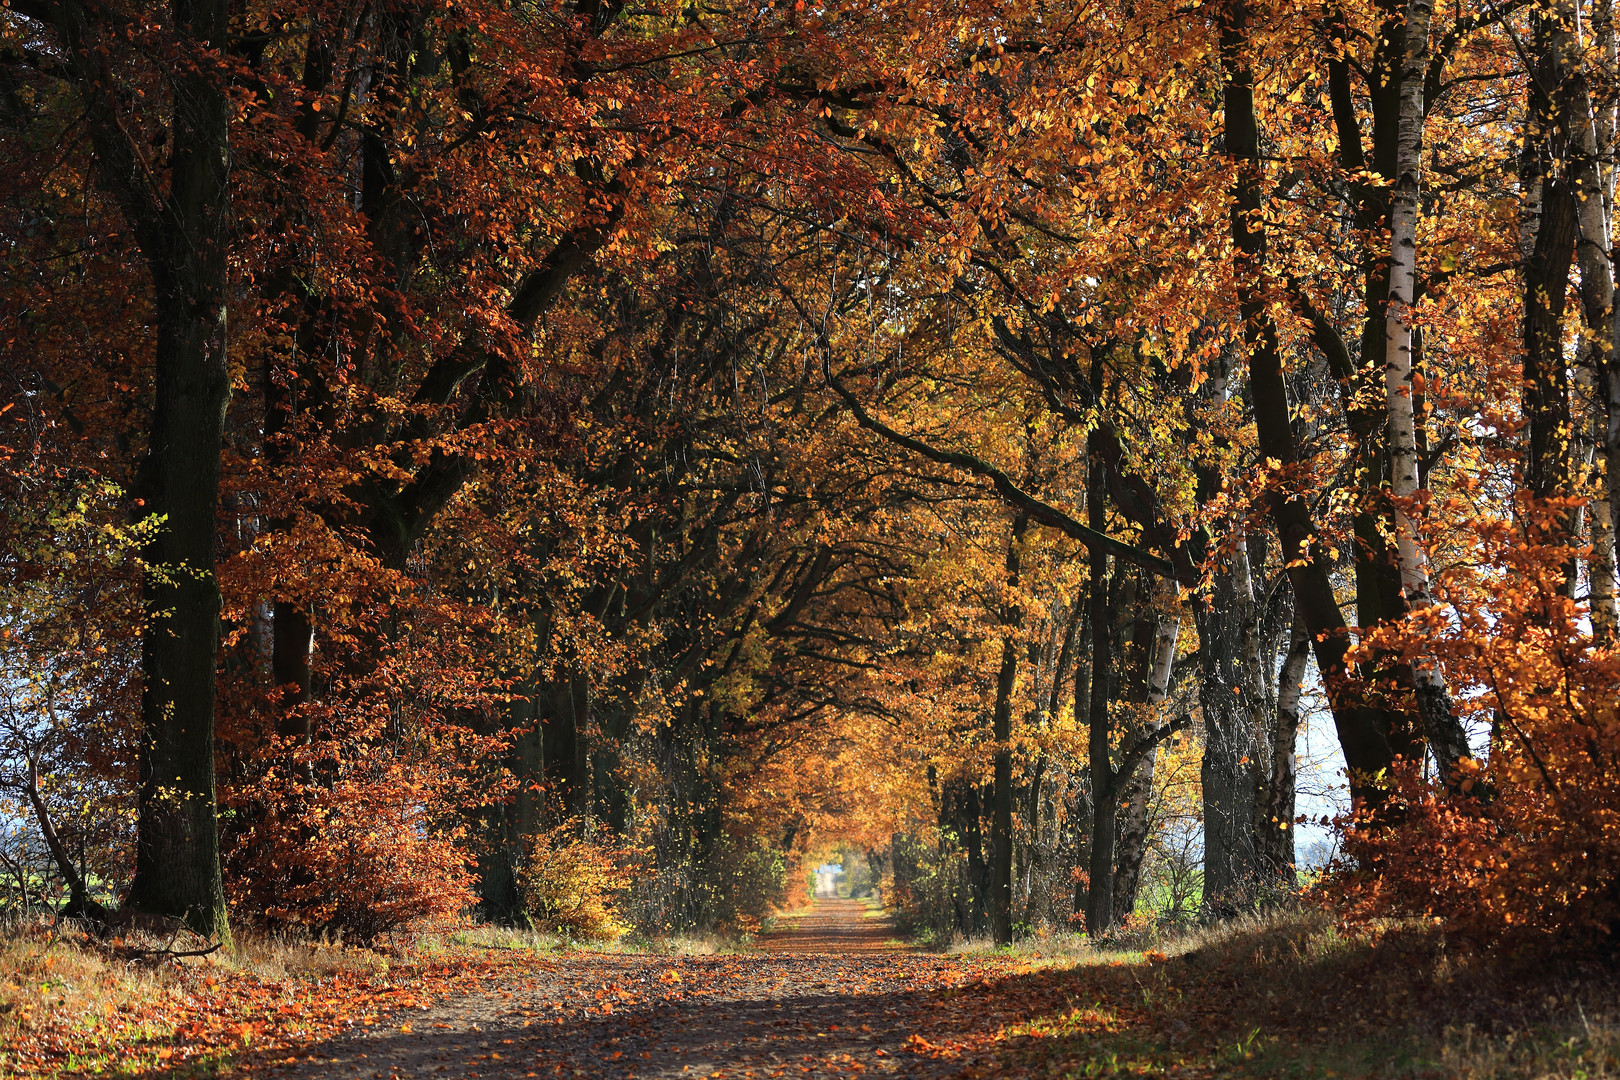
x=565, y=743
x=1227, y=696
x=182, y=232
x=508, y=827
x=961, y=811
x=1151, y=632
x=1546, y=277
x=1001, y=831
x=1001, y=838
x=1104, y=782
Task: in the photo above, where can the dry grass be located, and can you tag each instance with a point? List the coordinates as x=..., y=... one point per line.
x=1291, y=995
x=49, y=981
x=82, y=1004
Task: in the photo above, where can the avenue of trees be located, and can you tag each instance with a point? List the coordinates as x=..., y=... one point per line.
x=447, y=444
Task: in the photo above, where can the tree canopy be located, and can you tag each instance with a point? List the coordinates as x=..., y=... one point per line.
x=450, y=447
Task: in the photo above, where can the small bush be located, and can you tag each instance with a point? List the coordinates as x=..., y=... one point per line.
x=572, y=886
x=358, y=856
x=1528, y=851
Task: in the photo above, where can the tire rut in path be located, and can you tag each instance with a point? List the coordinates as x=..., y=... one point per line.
x=829, y=995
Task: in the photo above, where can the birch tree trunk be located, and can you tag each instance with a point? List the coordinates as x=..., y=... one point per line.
x=1598, y=347
x=1367, y=732
x=1447, y=741
x=1606, y=418
x=1277, y=846
x=1589, y=132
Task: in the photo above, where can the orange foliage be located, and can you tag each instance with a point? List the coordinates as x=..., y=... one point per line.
x=1530, y=853
x=357, y=844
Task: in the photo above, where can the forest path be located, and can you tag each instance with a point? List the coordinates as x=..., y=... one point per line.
x=829, y=994
x=832, y=926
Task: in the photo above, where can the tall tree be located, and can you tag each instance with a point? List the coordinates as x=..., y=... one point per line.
x=1447, y=741
x=178, y=207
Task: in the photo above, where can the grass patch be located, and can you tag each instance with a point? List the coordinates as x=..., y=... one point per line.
x=1298, y=996
x=71, y=1007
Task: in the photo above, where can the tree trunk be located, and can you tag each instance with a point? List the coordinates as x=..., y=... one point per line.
x=1137, y=800
x=565, y=743
x=1589, y=140
x=1277, y=820
x=972, y=816
x=1447, y=741
x=1104, y=783
x=292, y=648
x=1001, y=838
x=1546, y=382
x=293, y=632
x=509, y=827
x=1227, y=696
x=1001, y=831
x=1368, y=737
x=1606, y=420
x=177, y=869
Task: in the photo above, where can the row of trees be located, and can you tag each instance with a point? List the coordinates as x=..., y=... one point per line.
x=701, y=429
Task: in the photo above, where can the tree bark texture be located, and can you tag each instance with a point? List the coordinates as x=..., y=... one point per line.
x=1606, y=377
x=1136, y=801
x=1546, y=381
x=1447, y=740
x=1001, y=830
x=565, y=743
x=1277, y=818
x=1589, y=138
x=1104, y=793
x=1228, y=696
x=508, y=827
x=183, y=235
x=1366, y=733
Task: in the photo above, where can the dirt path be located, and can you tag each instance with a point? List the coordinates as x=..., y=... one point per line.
x=829, y=994
x=839, y=927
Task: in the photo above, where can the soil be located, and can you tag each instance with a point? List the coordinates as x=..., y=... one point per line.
x=829, y=993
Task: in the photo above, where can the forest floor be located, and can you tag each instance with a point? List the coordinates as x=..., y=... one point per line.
x=829, y=992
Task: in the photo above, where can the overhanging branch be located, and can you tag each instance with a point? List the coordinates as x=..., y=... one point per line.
x=1009, y=491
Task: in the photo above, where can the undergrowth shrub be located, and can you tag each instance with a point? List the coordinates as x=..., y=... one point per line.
x=748, y=880
x=356, y=847
x=726, y=887
x=573, y=886
x=1529, y=852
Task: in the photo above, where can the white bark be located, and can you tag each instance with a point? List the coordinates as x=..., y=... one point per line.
x=1278, y=823
x=1591, y=133
x=1164, y=645
x=1403, y=221
x=1447, y=741
x=1607, y=505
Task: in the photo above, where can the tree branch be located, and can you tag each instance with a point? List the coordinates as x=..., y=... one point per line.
x=1009, y=491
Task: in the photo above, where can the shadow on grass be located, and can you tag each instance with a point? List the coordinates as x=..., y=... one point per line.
x=1296, y=996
